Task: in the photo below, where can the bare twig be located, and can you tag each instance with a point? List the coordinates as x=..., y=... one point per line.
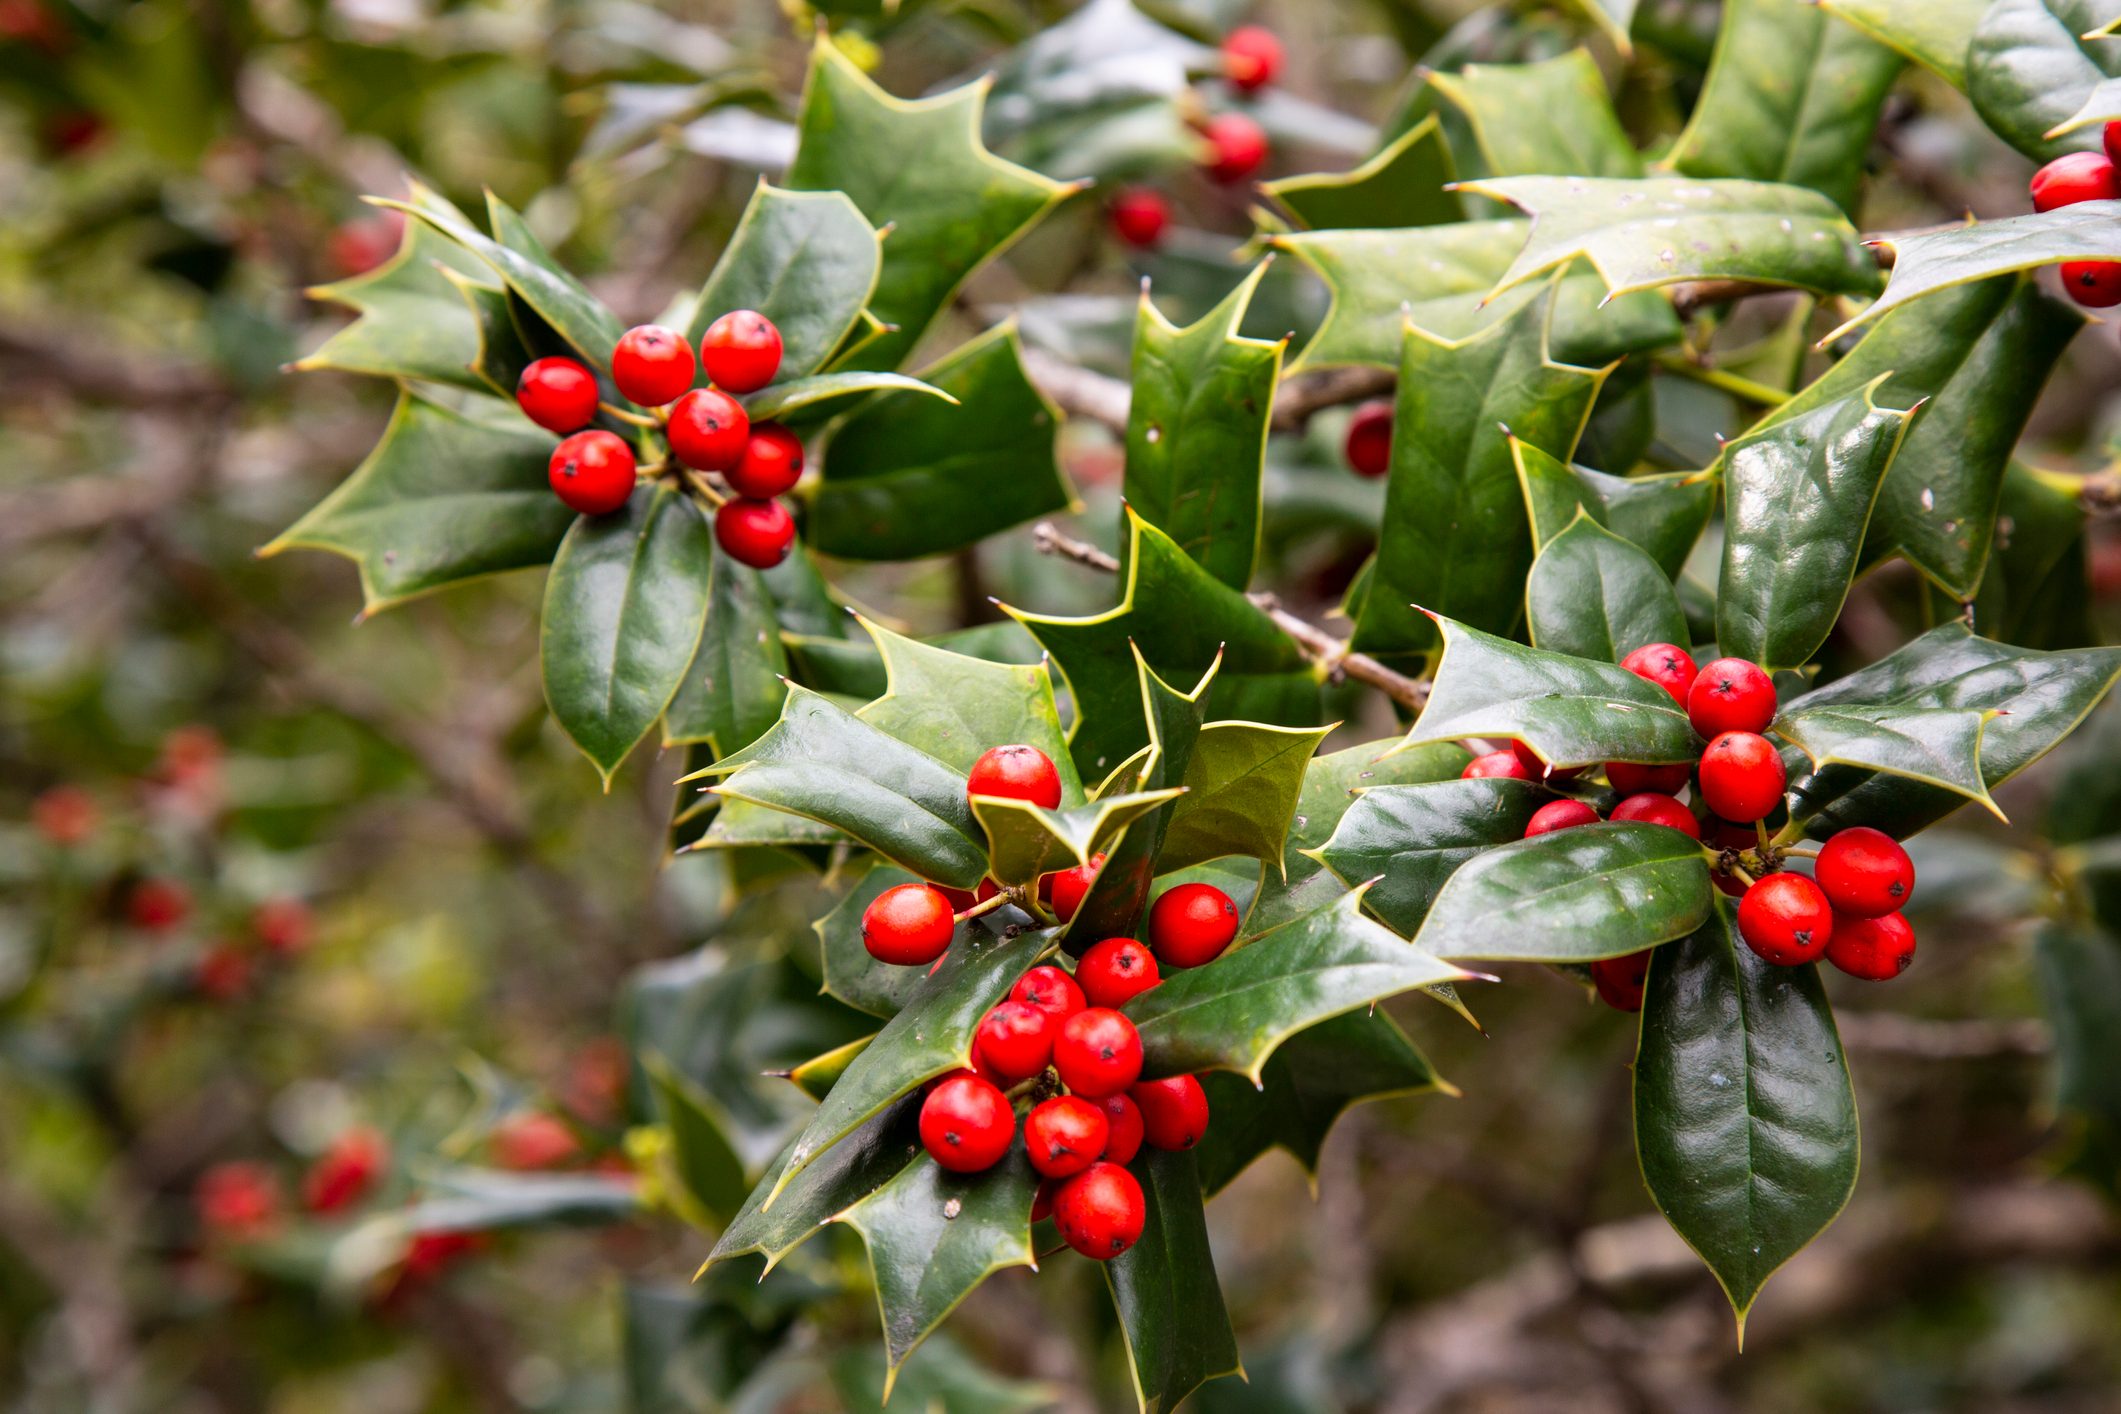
x=1883, y=1033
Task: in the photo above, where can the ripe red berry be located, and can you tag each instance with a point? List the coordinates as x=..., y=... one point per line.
x=1252, y=57
x=592, y=472
x=1191, y=924
x=966, y=1124
x=741, y=351
x=772, y=462
x=64, y=815
x=157, y=905
x=1368, y=444
x=1666, y=664
x=237, y=1200
x=1536, y=767
x=1115, y=971
x=1619, y=980
x=1065, y=1135
x=754, y=533
x=557, y=394
x=1139, y=216
x=1051, y=990
x=1559, y=815
x=1658, y=810
x=533, y=1140
x=1174, y=1111
x=2095, y=284
x=1124, y=1135
x=1100, y=1211
x=1068, y=888
x=1016, y=773
x=1015, y=1039
x=2071, y=178
x=2110, y=139
x=223, y=972
x=1730, y=695
x=1742, y=777
x=653, y=365
x=708, y=430
x=1042, y=1200
x=1875, y=949
x=908, y=925
x=1630, y=778
x=283, y=925
x=359, y=246
x=1786, y=919
x=1865, y=872
x=345, y=1172
x=1098, y=1053
x=1501, y=765
x=1240, y=146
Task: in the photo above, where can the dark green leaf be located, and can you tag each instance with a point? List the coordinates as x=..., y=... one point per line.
x=1241, y=782
x=2030, y=70
x=1550, y=116
x=688, y=1350
x=816, y=1077
x=1332, y=784
x=1170, y=1304
x=1401, y=186
x=941, y=1378
x=2038, y=560
x=1410, y=839
x=1595, y=595
x=1937, y=745
x=414, y=323
x=1934, y=33
x=707, y=1162
x=788, y=395
x=807, y=260
x=1025, y=841
x=732, y=692
x=956, y=707
x=2079, y=970
x=1664, y=514
x=859, y=1164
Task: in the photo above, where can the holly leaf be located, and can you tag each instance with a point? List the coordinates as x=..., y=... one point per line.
x=861, y=1162
x=1573, y=711
x=732, y=693
x=1170, y=1305
x=1231, y=1014
x=1456, y=537
x=1937, y=745
x=2079, y=971
x=955, y=707
x=624, y=607
x=501, y=354
x=1662, y=513
x=413, y=321
x=2033, y=590
x=1551, y=116
x=1595, y=595
x=1197, y=431
x=788, y=396
x=1792, y=96
x=1933, y=33
x=917, y=166
x=707, y=1162
x=1744, y=1119
x=1400, y=186
x=1334, y=782
x=816, y=1077
x=807, y=260
x=1662, y=230
x=1576, y=895
x=1241, y=785
x=1410, y=839
x=906, y=477
x=1615, y=17
x=2030, y=69
x=1798, y=497
x=1026, y=840
x=443, y=498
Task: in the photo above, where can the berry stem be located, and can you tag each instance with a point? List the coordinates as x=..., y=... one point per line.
x=1767, y=845
x=704, y=489
x=1801, y=852
x=1789, y=834
x=1741, y=876
x=636, y=418
x=985, y=905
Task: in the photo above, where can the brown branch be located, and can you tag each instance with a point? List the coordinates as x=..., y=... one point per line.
x=1882, y=1033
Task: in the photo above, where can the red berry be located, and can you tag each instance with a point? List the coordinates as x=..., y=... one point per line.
x=557, y=394
x=157, y=905
x=1051, y=990
x=1139, y=216
x=1016, y=773
x=1070, y=887
x=966, y=1124
x=359, y=246
x=754, y=533
x=533, y=1140
x=1174, y=1111
x=1501, y=765
x=741, y=351
x=1742, y=777
x=1042, y=1200
x=1368, y=445
x=1252, y=57
x=1666, y=664
x=2071, y=178
x=1559, y=815
x=1240, y=146
x=237, y=1200
x=1619, y=980
x=592, y=472
x=1098, y=1053
x=1124, y=1136
x=2110, y=139
x=283, y=925
x=1629, y=778
x=1865, y=872
x=64, y=815
x=653, y=365
x=2095, y=284
x=1191, y=924
x=708, y=430
x=1536, y=767
x=1065, y=1135
x=772, y=462
x=1722, y=835
x=1786, y=919
x=1115, y=971
x=1730, y=695
x=1015, y=1039
x=345, y=1172
x=1875, y=949
x=1100, y=1211
x=908, y=925
x=223, y=972
x=1658, y=810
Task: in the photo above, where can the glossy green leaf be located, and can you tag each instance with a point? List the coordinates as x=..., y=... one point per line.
x=1400, y=186
x=1575, y=895
x=1104, y=63
x=863, y=1161
x=1170, y=1305
x=414, y=322
x=1933, y=33
x=707, y=1162
x=906, y=477
x=1231, y=1014
x=1663, y=514
x=1595, y=595
x=1197, y=431
x=1410, y=839
x=2079, y=970
x=919, y=167
x=623, y=612
x=732, y=693
x=816, y=1077
x=824, y=763
x=2030, y=69
x=1937, y=745
x=1745, y=1122
x=1332, y=784
x=1241, y=783
x=1615, y=17
x=1573, y=711
x=1025, y=840
x=1792, y=96
x=788, y=396
x=1662, y=230
x=2102, y=106
x=1456, y=538
x=807, y=260
x=2033, y=590
x=1551, y=116
x=442, y=498
x=956, y=707
x=685, y=1347
x=501, y=354
x=1798, y=496
x=941, y=1378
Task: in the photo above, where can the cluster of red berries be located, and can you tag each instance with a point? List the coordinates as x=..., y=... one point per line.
x=1237, y=146
x=1057, y=1033
x=2084, y=176
x=706, y=428
x=1848, y=913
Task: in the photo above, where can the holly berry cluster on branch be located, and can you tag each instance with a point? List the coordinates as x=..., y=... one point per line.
x=1252, y=58
x=707, y=430
x=2084, y=176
